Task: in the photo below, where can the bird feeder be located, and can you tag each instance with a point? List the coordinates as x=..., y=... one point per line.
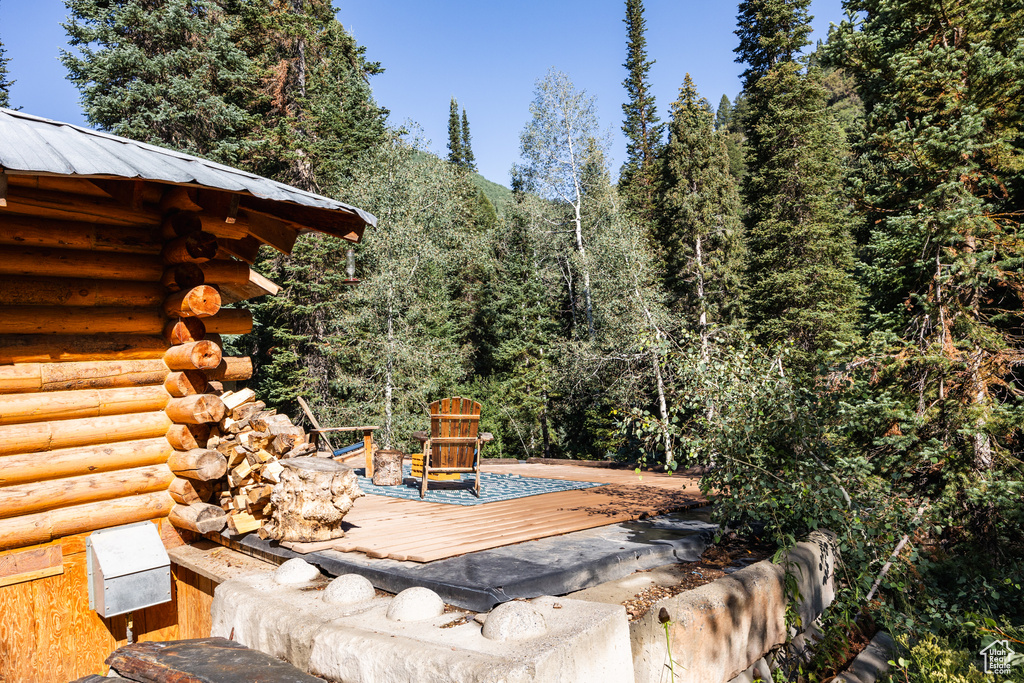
x=351, y=268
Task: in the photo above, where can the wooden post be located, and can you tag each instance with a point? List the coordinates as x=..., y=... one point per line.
x=368, y=448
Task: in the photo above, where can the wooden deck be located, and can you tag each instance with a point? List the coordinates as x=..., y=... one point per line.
x=423, y=532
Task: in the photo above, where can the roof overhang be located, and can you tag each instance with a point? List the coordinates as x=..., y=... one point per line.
x=245, y=209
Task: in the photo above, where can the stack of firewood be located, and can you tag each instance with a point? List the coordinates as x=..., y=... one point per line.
x=252, y=439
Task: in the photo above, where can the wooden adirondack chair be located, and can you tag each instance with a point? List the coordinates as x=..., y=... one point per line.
x=454, y=441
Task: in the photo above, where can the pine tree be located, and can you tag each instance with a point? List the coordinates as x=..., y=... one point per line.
x=699, y=230
x=723, y=117
x=164, y=72
x=735, y=136
x=5, y=82
x=940, y=173
x=641, y=125
x=454, y=134
x=314, y=109
x=468, y=159
x=799, y=274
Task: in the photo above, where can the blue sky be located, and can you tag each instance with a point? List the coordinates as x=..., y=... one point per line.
x=486, y=54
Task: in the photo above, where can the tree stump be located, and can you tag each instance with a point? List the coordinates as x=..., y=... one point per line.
x=387, y=467
x=311, y=500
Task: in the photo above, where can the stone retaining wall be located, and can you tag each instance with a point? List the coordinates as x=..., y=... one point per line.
x=723, y=629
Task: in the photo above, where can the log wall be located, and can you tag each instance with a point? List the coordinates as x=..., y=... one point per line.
x=91, y=303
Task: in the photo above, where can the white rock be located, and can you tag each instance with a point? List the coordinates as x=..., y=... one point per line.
x=348, y=589
x=296, y=571
x=514, y=621
x=415, y=604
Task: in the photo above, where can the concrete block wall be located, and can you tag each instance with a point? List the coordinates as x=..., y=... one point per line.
x=723, y=629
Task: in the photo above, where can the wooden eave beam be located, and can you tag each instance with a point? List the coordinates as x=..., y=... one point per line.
x=347, y=226
x=256, y=287
x=127, y=192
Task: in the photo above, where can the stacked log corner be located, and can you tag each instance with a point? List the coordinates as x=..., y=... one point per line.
x=191, y=409
x=109, y=360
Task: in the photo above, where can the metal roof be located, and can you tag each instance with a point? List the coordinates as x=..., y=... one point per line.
x=31, y=144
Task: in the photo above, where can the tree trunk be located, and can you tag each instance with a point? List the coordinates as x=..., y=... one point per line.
x=544, y=425
x=670, y=457
x=388, y=384
x=702, y=322
x=311, y=500
x=585, y=268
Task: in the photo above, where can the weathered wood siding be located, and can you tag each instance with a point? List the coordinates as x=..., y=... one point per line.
x=49, y=634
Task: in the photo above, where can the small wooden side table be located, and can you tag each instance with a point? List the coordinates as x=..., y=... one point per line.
x=367, y=440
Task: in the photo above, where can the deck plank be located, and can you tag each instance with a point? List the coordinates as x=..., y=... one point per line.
x=418, y=531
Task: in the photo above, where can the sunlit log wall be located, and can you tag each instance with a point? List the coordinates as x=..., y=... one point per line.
x=108, y=368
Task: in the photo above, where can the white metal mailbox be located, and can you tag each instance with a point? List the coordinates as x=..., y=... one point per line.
x=128, y=569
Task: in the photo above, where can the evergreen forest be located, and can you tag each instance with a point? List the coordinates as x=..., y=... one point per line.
x=810, y=293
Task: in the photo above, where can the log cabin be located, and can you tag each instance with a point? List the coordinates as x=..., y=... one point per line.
x=119, y=262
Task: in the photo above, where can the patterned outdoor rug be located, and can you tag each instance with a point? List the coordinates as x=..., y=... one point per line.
x=493, y=487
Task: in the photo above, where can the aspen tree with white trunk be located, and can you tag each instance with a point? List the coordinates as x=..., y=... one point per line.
x=556, y=145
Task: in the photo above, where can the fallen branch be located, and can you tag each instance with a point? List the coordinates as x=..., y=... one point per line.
x=895, y=553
